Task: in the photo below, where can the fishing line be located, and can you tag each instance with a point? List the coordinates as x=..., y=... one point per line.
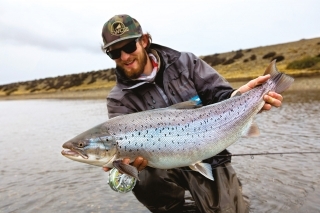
x=252, y=157
x=267, y=153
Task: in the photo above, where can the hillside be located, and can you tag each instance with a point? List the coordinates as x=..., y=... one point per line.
x=299, y=58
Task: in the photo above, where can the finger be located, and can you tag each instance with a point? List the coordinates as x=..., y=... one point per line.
x=126, y=160
x=272, y=101
x=266, y=107
x=276, y=96
x=143, y=165
x=106, y=169
x=137, y=162
x=260, y=80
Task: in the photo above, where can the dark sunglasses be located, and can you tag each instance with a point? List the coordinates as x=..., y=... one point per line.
x=128, y=48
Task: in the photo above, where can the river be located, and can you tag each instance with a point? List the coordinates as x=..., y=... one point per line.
x=35, y=177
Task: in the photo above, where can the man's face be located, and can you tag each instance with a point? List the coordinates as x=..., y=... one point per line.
x=133, y=64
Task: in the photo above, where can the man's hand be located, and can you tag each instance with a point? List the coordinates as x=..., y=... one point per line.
x=140, y=163
x=271, y=99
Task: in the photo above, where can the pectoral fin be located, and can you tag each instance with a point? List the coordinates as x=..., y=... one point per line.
x=126, y=169
x=203, y=168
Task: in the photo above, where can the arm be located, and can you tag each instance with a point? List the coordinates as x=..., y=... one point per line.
x=210, y=85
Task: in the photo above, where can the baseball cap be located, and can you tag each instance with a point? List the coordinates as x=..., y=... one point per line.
x=119, y=28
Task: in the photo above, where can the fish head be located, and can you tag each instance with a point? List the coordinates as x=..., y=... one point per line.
x=94, y=146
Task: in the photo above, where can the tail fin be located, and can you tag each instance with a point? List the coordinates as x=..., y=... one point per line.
x=281, y=80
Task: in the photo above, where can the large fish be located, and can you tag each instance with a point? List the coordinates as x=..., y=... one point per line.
x=180, y=135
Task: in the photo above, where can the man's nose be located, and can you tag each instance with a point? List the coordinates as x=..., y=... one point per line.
x=124, y=56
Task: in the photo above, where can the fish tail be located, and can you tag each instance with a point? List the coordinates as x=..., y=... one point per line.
x=281, y=80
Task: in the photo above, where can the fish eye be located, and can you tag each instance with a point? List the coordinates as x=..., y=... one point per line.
x=81, y=144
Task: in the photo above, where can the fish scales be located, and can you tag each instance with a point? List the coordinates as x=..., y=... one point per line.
x=176, y=137
x=165, y=136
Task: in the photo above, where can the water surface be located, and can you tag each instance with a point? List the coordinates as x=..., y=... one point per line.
x=35, y=177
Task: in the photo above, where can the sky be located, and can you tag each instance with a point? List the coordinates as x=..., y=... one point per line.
x=41, y=39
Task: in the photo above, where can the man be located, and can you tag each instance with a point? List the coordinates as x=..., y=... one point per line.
x=151, y=76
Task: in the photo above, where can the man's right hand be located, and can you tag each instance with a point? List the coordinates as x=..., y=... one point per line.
x=140, y=163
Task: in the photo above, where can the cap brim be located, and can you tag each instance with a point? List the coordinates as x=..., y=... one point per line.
x=121, y=39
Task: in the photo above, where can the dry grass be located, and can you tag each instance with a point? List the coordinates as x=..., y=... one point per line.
x=235, y=66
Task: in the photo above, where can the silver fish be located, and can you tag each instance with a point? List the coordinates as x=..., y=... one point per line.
x=177, y=136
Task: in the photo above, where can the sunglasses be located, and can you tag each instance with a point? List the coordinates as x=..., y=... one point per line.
x=128, y=48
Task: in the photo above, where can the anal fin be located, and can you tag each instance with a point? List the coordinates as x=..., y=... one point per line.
x=203, y=168
x=252, y=130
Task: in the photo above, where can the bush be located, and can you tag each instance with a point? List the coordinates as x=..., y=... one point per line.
x=238, y=55
x=229, y=61
x=304, y=63
x=253, y=57
x=278, y=58
x=213, y=60
x=269, y=55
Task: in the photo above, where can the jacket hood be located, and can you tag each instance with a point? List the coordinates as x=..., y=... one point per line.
x=167, y=55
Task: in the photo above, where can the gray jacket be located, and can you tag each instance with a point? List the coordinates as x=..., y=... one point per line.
x=181, y=76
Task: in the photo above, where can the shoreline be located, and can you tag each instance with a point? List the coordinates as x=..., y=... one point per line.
x=300, y=84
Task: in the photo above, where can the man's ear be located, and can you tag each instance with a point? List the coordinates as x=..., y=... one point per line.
x=144, y=41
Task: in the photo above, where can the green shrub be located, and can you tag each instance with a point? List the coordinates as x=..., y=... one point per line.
x=304, y=63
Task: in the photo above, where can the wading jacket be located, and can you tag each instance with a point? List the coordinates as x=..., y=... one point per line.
x=181, y=76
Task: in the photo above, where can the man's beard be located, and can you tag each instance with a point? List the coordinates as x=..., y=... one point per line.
x=136, y=73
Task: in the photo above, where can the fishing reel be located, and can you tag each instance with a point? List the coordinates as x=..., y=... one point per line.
x=119, y=182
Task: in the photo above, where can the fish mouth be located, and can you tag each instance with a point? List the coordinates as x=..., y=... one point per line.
x=73, y=153
x=70, y=151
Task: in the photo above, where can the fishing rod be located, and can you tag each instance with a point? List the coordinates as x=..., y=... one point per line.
x=267, y=153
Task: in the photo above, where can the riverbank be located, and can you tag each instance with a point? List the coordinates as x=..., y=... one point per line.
x=299, y=59
x=300, y=84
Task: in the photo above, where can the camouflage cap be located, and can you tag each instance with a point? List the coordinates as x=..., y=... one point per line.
x=119, y=28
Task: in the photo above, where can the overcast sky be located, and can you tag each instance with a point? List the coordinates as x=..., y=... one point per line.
x=40, y=39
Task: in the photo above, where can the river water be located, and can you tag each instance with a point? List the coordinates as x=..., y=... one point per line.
x=35, y=177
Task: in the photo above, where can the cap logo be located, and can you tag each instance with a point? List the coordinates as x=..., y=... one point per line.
x=118, y=28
